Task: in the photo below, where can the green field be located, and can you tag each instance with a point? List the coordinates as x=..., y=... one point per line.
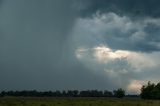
x=20, y=101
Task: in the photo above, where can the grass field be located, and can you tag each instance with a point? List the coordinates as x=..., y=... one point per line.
x=20, y=101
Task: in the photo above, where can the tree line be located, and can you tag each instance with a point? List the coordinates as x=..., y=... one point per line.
x=150, y=91
x=70, y=93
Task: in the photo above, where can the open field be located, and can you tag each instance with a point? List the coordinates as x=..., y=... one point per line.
x=20, y=101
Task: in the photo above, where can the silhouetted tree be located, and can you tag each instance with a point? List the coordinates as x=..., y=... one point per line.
x=64, y=93
x=107, y=94
x=75, y=93
x=69, y=93
x=150, y=91
x=120, y=93
x=156, y=91
x=147, y=90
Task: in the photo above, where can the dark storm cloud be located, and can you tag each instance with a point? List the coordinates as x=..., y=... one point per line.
x=120, y=32
x=130, y=7
x=136, y=11
x=135, y=35
x=34, y=47
x=132, y=39
x=38, y=40
x=127, y=25
x=0, y=2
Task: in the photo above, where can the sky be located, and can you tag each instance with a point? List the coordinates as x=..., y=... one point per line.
x=79, y=44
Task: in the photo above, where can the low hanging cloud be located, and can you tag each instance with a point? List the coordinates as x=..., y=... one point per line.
x=119, y=47
x=105, y=55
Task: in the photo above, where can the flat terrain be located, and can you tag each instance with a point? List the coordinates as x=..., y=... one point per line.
x=28, y=101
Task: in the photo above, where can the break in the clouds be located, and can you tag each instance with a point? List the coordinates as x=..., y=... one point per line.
x=77, y=44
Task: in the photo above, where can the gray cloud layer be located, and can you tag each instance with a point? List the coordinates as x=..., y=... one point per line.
x=38, y=39
x=120, y=25
x=135, y=11
x=33, y=35
x=131, y=7
x=35, y=49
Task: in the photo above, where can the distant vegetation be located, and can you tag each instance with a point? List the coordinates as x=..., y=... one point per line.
x=120, y=93
x=150, y=91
